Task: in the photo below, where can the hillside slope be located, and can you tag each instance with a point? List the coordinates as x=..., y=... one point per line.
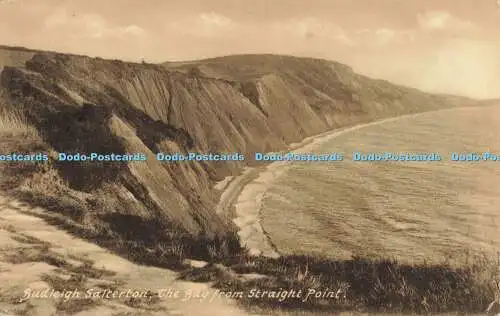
x=232, y=104
x=15, y=56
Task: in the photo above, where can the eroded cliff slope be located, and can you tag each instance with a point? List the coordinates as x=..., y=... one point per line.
x=231, y=104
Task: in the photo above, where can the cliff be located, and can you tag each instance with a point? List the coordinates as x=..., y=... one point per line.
x=243, y=104
x=15, y=56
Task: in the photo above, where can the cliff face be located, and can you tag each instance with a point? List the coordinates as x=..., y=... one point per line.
x=230, y=104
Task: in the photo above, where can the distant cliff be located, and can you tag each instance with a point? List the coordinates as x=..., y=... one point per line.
x=241, y=104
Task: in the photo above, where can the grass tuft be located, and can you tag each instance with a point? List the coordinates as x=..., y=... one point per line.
x=14, y=124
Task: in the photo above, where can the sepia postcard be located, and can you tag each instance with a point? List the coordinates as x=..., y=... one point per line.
x=238, y=158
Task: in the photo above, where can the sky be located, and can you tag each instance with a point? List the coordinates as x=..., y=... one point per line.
x=444, y=46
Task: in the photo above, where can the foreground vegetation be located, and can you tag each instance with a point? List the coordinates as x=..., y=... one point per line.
x=358, y=284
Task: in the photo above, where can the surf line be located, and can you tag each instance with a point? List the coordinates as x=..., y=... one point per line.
x=252, y=185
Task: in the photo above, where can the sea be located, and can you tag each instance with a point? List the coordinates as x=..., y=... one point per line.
x=441, y=211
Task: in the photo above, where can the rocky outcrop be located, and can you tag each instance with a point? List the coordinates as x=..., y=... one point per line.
x=232, y=104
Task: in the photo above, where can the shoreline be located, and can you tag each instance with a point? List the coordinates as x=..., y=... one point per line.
x=246, y=192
